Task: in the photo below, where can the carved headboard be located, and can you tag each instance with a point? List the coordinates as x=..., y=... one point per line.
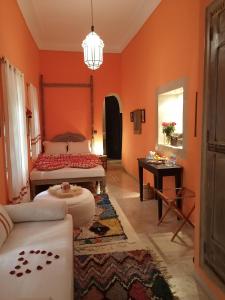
x=68, y=137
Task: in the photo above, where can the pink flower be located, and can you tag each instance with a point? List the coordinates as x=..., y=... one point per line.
x=168, y=128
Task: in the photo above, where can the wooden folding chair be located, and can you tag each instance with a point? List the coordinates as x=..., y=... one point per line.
x=170, y=198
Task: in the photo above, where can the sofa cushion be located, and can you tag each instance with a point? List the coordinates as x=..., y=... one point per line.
x=6, y=225
x=37, y=211
x=53, y=281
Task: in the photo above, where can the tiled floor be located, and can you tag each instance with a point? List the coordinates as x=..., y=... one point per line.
x=177, y=255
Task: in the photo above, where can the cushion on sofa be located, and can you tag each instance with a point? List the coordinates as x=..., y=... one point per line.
x=6, y=225
x=37, y=211
x=54, y=280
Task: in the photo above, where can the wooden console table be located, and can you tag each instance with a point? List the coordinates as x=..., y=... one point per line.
x=159, y=171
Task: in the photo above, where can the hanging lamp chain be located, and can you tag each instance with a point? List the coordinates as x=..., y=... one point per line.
x=92, y=22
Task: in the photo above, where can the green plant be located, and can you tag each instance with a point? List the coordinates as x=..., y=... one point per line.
x=168, y=128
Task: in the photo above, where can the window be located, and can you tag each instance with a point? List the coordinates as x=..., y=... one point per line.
x=170, y=121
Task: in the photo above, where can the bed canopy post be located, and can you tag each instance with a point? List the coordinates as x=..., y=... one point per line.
x=92, y=110
x=42, y=107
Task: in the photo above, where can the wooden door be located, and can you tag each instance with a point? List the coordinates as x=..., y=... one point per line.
x=213, y=179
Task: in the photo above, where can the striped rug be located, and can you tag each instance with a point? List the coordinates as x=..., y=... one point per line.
x=119, y=276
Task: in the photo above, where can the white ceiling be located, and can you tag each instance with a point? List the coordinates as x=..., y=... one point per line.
x=63, y=24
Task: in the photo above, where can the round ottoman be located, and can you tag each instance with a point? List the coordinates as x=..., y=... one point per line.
x=81, y=207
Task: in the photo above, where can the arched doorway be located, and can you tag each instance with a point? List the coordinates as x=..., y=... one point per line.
x=112, y=128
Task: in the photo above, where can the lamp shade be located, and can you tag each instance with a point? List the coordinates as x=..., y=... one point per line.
x=93, y=51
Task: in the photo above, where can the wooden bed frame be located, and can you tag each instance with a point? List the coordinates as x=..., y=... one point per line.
x=67, y=137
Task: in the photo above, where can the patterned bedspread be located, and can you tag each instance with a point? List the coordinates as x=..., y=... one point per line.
x=54, y=162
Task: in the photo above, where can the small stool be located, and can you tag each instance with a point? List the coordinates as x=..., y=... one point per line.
x=81, y=207
x=169, y=198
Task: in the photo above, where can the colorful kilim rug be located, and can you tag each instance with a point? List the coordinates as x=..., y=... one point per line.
x=119, y=275
x=106, y=226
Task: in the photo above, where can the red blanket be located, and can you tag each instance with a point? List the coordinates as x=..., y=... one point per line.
x=54, y=162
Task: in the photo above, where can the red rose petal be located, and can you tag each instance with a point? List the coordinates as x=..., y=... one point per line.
x=22, y=253
x=39, y=268
x=48, y=262
x=25, y=262
x=43, y=252
x=17, y=267
x=12, y=272
x=19, y=274
x=49, y=254
x=20, y=259
x=56, y=256
x=28, y=271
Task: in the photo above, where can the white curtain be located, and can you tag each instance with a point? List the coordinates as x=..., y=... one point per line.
x=15, y=134
x=35, y=122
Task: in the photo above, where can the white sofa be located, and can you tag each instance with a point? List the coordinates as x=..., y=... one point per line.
x=54, y=280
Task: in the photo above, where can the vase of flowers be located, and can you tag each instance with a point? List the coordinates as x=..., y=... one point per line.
x=168, y=129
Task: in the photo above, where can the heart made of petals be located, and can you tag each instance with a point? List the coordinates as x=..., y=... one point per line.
x=24, y=259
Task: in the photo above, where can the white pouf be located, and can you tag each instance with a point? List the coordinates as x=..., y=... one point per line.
x=81, y=207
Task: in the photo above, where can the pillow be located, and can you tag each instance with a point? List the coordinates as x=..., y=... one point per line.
x=48, y=210
x=79, y=147
x=55, y=147
x=6, y=225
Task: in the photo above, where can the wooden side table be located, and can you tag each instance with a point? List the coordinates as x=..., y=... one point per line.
x=159, y=171
x=103, y=159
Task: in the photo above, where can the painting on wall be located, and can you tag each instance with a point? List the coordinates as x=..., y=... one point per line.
x=132, y=116
x=137, y=117
x=137, y=121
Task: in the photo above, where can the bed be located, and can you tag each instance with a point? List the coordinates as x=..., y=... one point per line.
x=73, y=174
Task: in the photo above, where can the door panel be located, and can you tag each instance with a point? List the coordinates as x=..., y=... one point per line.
x=213, y=175
x=219, y=201
x=220, y=110
x=221, y=21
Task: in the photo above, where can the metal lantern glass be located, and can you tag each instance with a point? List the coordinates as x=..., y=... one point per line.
x=93, y=51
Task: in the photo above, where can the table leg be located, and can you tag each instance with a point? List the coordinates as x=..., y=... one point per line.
x=140, y=169
x=32, y=190
x=158, y=185
x=102, y=186
x=178, y=185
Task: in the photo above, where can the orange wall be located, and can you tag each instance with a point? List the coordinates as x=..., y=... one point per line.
x=164, y=50
x=69, y=109
x=169, y=46
x=18, y=46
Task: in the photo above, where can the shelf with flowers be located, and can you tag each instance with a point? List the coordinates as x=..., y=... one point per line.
x=168, y=129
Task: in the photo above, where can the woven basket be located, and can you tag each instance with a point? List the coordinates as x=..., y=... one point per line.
x=148, y=191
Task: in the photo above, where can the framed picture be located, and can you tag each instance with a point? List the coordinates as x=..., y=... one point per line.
x=142, y=115
x=132, y=116
x=137, y=121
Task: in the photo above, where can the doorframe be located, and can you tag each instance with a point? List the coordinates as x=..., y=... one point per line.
x=213, y=8
x=103, y=118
